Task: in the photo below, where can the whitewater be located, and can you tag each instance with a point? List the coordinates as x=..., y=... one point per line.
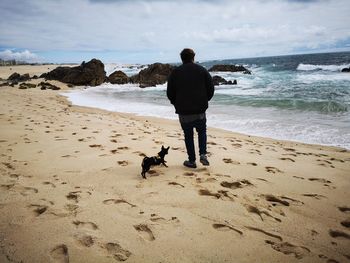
x=303, y=98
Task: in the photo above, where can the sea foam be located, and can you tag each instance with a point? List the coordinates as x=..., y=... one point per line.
x=311, y=67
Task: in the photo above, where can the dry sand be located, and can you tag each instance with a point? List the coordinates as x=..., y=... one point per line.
x=71, y=191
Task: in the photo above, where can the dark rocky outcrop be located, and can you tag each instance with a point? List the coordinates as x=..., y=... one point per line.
x=5, y=84
x=15, y=77
x=47, y=85
x=26, y=86
x=118, y=77
x=91, y=73
x=230, y=68
x=217, y=80
x=154, y=74
x=345, y=70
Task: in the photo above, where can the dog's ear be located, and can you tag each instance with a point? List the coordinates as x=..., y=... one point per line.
x=168, y=148
x=163, y=147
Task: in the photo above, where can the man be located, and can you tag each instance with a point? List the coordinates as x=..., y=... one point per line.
x=190, y=87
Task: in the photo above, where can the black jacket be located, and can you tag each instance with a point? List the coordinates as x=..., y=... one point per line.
x=190, y=87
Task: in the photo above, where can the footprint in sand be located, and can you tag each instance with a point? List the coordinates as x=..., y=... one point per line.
x=289, y=249
x=345, y=223
x=299, y=177
x=117, y=201
x=85, y=240
x=27, y=190
x=118, y=253
x=252, y=164
x=264, y=232
x=289, y=149
x=273, y=170
x=254, y=151
x=123, y=148
x=95, y=145
x=237, y=184
x=9, y=166
x=49, y=183
x=344, y=209
x=38, y=209
x=154, y=173
x=145, y=232
x=275, y=200
x=140, y=154
x=7, y=186
x=206, y=192
x=325, y=163
x=175, y=183
x=190, y=174
x=337, y=233
x=86, y=225
x=60, y=254
x=287, y=159
x=123, y=163
x=255, y=210
x=316, y=196
x=74, y=196
x=226, y=227
x=229, y=160
x=320, y=180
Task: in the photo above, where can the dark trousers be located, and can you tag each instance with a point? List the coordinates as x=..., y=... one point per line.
x=201, y=127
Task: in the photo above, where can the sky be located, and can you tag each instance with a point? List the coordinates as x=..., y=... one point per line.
x=140, y=31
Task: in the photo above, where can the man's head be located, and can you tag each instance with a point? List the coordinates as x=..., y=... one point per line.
x=187, y=55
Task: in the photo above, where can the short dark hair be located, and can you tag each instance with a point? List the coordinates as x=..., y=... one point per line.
x=187, y=55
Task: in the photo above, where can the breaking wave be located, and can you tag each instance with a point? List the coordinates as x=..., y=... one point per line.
x=311, y=67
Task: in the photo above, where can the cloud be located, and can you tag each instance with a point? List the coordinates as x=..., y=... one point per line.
x=25, y=55
x=143, y=29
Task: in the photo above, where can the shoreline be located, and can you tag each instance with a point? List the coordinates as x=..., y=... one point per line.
x=71, y=190
x=135, y=115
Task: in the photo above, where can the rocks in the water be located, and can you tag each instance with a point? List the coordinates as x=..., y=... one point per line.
x=230, y=68
x=91, y=73
x=26, y=86
x=154, y=74
x=47, y=85
x=118, y=77
x=346, y=69
x=16, y=77
x=217, y=80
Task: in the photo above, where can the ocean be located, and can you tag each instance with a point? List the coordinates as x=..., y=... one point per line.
x=303, y=98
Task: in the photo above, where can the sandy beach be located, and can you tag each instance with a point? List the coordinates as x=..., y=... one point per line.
x=71, y=190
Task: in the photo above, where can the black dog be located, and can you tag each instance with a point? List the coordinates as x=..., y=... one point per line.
x=155, y=160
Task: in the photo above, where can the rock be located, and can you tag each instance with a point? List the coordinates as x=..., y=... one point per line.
x=230, y=68
x=35, y=77
x=47, y=85
x=217, y=80
x=91, y=73
x=15, y=77
x=154, y=74
x=118, y=77
x=4, y=84
x=345, y=70
x=26, y=86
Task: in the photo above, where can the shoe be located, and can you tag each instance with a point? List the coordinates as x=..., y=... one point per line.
x=204, y=160
x=190, y=164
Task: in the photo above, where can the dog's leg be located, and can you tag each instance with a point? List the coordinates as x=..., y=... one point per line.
x=143, y=173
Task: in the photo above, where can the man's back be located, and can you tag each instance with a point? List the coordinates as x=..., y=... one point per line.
x=190, y=87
